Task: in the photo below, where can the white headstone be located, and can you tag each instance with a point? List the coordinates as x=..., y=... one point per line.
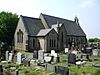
x=66, y=50
x=10, y=56
x=95, y=52
x=47, y=58
x=19, y=58
x=74, y=52
x=55, y=55
x=33, y=62
x=41, y=55
x=7, y=55
x=52, y=52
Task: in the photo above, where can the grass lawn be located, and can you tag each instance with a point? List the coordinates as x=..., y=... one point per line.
x=86, y=69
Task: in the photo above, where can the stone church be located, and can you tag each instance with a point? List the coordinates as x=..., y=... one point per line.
x=47, y=33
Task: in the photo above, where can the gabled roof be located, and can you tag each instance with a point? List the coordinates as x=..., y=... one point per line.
x=43, y=32
x=71, y=26
x=55, y=27
x=32, y=25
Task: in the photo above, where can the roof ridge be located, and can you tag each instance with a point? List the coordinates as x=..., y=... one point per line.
x=57, y=17
x=29, y=17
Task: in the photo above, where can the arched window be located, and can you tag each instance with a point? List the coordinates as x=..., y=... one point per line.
x=20, y=36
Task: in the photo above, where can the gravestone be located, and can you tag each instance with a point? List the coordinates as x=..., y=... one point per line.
x=95, y=52
x=19, y=58
x=1, y=69
x=33, y=62
x=60, y=70
x=7, y=55
x=16, y=72
x=52, y=52
x=35, y=54
x=88, y=50
x=41, y=56
x=24, y=62
x=28, y=56
x=71, y=59
x=50, y=67
x=74, y=52
x=10, y=56
x=66, y=50
x=47, y=58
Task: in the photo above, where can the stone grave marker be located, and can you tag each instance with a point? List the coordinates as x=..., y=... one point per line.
x=7, y=55
x=95, y=52
x=71, y=59
x=10, y=56
x=47, y=58
x=66, y=50
x=19, y=58
x=24, y=62
x=35, y=54
x=1, y=69
x=55, y=55
x=52, y=52
x=28, y=56
x=60, y=70
x=33, y=62
x=74, y=52
x=41, y=56
x=16, y=72
x=50, y=67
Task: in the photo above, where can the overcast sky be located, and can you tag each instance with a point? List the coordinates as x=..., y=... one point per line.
x=88, y=11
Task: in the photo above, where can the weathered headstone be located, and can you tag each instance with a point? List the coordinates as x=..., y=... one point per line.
x=35, y=54
x=47, y=58
x=89, y=50
x=28, y=56
x=33, y=62
x=50, y=67
x=71, y=59
x=66, y=50
x=95, y=52
x=74, y=52
x=1, y=69
x=41, y=56
x=7, y=55
x=60, y=70
x=10, y=56
x=19, y=59
x=52, y=52
x=24, y=62
x=16, y=72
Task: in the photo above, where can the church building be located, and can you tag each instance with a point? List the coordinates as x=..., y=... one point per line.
x=47, y=33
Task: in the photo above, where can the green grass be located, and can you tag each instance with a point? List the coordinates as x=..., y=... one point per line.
x=32, y=70
x=85, y=70
x=28, y=70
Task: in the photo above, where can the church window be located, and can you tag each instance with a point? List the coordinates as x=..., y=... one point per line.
x=20, y=36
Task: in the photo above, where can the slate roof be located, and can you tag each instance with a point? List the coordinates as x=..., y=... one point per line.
x=43, y=32
x=71, y=26
x=32, y=25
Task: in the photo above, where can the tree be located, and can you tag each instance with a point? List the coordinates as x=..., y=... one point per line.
x=94, y=40
x=8, y=23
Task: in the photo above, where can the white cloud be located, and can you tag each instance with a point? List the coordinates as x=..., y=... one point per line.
x=21, y=7
x=87, y=3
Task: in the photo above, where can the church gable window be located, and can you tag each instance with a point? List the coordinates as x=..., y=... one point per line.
x=19, y=36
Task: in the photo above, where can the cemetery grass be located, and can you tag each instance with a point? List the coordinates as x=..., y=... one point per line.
x=26, y=70
x=86, y=69
x=37, y=70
